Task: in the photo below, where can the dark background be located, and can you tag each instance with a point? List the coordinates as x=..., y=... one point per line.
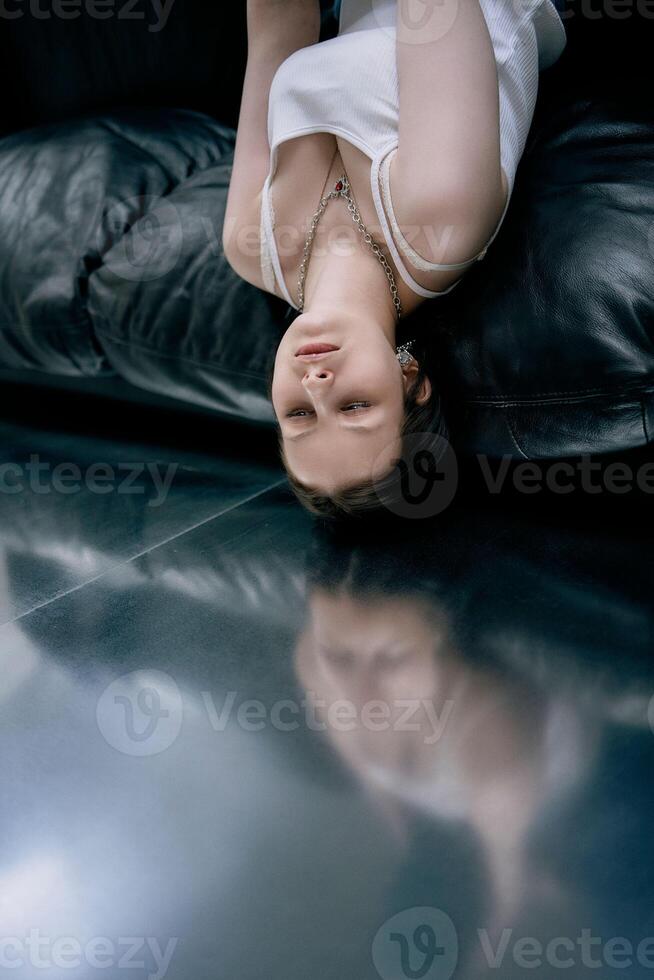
x=54, y=68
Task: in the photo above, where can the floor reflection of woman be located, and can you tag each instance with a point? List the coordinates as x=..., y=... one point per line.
x=434, y=728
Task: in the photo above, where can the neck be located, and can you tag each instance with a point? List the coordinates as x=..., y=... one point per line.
x=347, y=277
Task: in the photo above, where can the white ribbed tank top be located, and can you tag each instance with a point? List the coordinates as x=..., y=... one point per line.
x=348, y=86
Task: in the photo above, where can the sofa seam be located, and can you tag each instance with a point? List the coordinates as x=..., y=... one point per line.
x=503, y=401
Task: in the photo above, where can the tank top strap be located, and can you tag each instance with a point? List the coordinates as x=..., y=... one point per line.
x=375, y=168
x=267, y=266
x=395, y=239
x=271, y=268
x=405, y=247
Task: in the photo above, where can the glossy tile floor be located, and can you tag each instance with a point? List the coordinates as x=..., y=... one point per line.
x=235, y=747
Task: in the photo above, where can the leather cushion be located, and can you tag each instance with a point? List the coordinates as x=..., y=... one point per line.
x=551, y=341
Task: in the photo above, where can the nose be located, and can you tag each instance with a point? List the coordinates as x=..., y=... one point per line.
x=318, y=379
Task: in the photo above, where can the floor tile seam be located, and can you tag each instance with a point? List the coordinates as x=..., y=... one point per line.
x=140, y=554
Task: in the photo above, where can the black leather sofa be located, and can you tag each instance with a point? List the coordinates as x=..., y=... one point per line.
x=115, y=156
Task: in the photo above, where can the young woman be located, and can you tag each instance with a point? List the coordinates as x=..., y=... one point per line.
x=370, y=172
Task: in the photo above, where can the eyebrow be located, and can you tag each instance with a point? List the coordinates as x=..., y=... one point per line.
x=347, y=428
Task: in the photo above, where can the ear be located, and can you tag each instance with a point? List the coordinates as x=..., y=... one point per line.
x=410, y=373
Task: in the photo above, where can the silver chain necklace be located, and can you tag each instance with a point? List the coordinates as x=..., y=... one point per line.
x=342, y=189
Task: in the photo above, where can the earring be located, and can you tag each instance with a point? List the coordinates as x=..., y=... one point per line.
x=404, y=354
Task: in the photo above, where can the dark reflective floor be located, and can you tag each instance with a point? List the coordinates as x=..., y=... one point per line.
x=234, y=746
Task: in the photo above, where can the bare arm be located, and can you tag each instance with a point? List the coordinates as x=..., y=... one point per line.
x=276, y=28
x=447, y=170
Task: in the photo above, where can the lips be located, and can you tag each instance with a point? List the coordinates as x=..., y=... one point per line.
x=313, y=350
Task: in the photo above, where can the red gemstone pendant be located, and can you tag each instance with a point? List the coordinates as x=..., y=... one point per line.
x=339, y=185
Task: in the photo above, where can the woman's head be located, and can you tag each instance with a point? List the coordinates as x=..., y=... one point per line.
x=344, y=404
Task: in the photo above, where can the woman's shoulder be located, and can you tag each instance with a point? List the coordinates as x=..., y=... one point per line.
x=440, y=233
